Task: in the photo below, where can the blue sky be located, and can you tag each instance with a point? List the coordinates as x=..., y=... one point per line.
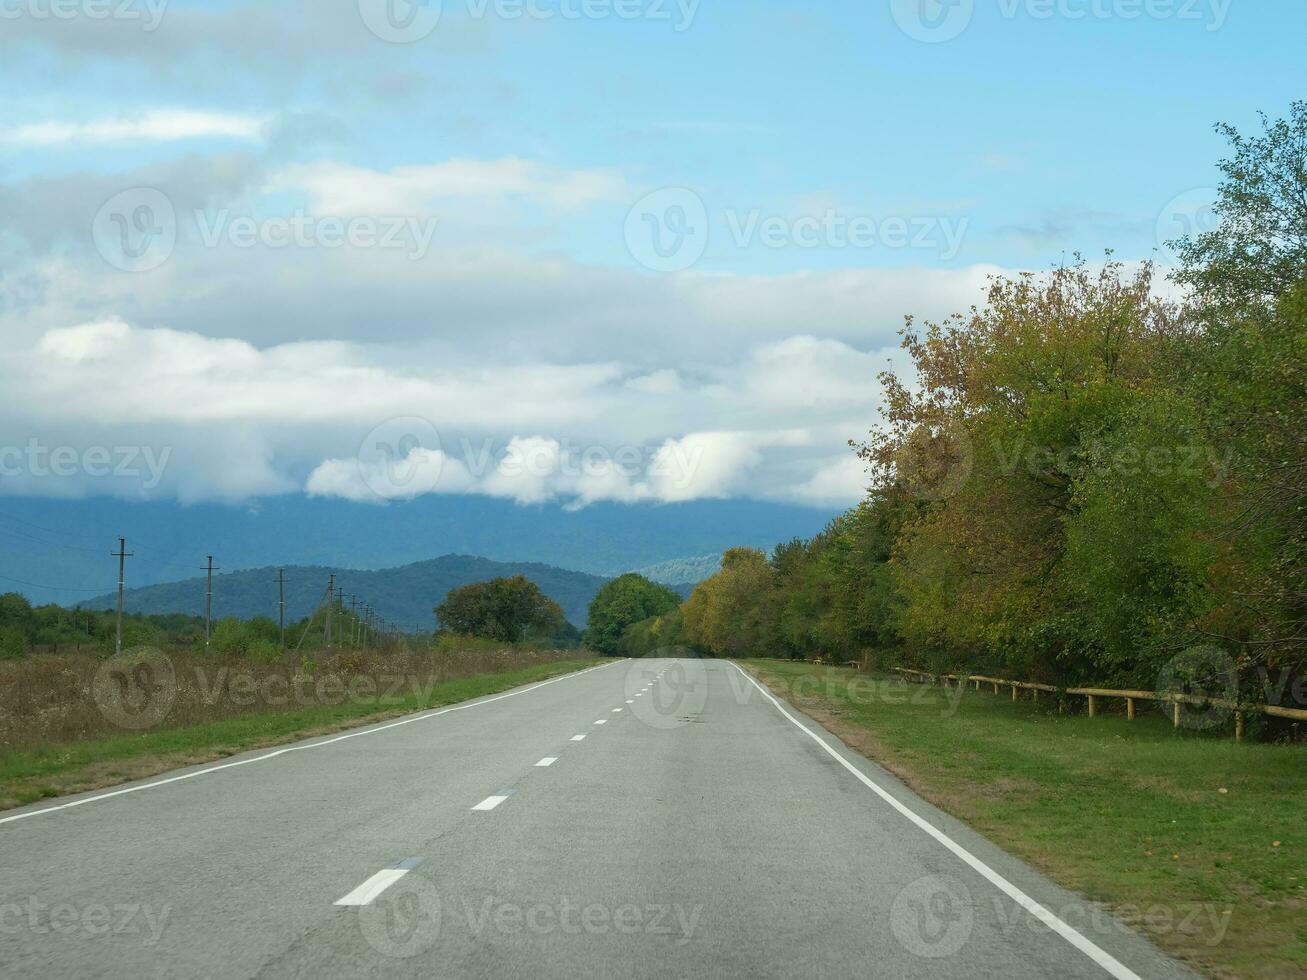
x=811, y=174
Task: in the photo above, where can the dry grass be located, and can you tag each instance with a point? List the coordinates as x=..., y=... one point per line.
x=52, y=700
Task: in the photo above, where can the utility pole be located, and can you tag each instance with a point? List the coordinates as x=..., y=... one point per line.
x=331, y=598
x=281, y=603
x=122, y=554
x=353, y=621
x=208, y=608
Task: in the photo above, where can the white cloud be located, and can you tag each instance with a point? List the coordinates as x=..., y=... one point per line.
x=113, y=372
x=155, y=126
x=840, y=482
x=300, y=416
x=337, y=188
x=420, y=472
x=705, y=464
x=540, y=469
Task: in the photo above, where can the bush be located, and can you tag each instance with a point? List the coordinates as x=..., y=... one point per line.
x=230, y=636
x=13, y=644
x=264, y=650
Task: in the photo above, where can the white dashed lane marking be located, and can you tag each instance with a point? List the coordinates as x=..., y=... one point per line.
x=548, y=760
x=366, y=893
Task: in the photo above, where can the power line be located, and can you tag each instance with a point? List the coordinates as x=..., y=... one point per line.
x=46, y=530
x=56, y=588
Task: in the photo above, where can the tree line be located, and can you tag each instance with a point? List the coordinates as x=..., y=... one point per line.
x=1080, y=480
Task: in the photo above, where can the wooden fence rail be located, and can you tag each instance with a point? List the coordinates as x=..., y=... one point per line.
x=1093, y=694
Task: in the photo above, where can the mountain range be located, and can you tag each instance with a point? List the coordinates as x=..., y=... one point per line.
x=404, y=596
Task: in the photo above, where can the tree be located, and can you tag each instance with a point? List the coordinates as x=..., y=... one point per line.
x=506, y=609
x=731, y=614
x=16, y=613
x=1259, y=250
x=1008, y=441
x=621, y=603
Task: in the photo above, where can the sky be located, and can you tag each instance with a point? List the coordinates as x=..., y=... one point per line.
x=558, y=251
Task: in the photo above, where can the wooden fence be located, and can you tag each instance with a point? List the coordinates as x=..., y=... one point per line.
x=1093, y=694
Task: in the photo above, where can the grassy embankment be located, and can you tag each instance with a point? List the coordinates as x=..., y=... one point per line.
x=1154, y=823
x=55, y=738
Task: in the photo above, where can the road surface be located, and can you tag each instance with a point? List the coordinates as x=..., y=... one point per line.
x=651, y=818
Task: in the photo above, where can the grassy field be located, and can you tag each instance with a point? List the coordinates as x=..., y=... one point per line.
x=1170, y=830
x=28, y=774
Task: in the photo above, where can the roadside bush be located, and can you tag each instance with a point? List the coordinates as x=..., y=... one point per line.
x=13, y=644
x=264, y=650
x=230, y=637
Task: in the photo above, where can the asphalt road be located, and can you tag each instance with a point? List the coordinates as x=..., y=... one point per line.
x=688, y=826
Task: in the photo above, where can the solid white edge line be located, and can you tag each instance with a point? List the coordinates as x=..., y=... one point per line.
x=548, y=760
x=490, y=802
x=366, y=893
x=299, y=748
x=1100, y=956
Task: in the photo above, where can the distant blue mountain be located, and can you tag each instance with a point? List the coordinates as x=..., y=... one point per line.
x=58, y=550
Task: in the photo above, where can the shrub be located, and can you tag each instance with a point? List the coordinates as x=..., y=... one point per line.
x=13, y=644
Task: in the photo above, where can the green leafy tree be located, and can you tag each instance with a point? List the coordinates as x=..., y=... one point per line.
x=730, y=615
x=509, y=610
x=1259, y=249
x=621, y=603
x=16, y=613
x=663, y=635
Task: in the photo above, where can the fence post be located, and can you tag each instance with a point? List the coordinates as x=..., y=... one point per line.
x=1238, y=726
x=1091, y=706
x=1130, y=709
x=1175, y=713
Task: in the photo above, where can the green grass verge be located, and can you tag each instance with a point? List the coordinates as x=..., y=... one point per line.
x=1128, y=813
x=34, y=774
